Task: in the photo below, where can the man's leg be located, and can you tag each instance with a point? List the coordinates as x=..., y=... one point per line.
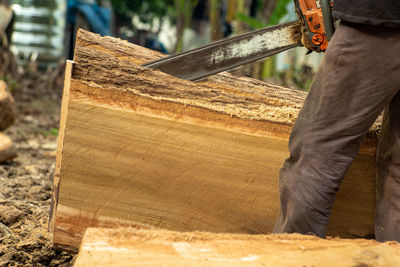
x=357, y=79
x=387, y=221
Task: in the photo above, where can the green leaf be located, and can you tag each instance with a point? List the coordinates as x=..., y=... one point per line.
x=279, y=12
x=252, y=22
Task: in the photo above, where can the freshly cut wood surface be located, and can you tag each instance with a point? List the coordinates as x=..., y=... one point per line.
x=132, y=247
x=141, y=148
x=7, y=109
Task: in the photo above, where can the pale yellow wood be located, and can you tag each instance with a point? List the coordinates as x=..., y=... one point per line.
x=60, y=142
x=141, y=148
x=7, y=149
x=132, y=247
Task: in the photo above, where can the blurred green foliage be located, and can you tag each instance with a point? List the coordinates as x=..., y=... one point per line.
x=180, y=13
x=50, y=132
x=253, y=23
x=12, y=84
x=147, y=10
x=183, y=15
x=257, y=23
x=279, y=12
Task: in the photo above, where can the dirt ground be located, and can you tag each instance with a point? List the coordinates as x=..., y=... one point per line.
x=26, y=181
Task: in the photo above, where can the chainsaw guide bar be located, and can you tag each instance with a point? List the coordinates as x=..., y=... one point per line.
x=230, y=53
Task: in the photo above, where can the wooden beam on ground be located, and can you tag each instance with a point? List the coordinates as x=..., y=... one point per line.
x=141, y=148
x=131, y=247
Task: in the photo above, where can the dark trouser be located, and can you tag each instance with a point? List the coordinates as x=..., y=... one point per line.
x=359, y=77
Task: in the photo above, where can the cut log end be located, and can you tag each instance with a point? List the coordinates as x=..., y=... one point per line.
x=7, y=149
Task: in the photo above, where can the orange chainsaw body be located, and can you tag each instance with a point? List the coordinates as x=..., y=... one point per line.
x=312, y=17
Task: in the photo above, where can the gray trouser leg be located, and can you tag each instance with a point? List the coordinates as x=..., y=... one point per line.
x=387, y=221
x=358, y=77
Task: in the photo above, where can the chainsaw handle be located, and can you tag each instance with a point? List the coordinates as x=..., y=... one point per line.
x=327, y=17
x=316, y=18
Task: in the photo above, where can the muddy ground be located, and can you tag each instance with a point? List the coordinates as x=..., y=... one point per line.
x=26, y=181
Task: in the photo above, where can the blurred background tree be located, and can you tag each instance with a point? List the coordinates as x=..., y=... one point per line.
x=198, y=22
x=152, y=13
x=148, y=11
x=184, y=12
x=168, y=26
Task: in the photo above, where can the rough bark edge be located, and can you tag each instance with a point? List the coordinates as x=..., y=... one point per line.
x=224, y=83
x=60, y=144
x=239, y=97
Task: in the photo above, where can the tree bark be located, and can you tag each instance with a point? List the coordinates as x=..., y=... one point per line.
x=138, y=147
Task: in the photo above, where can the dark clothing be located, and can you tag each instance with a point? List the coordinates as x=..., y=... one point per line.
x=371, y=12
x=387, y=215
x=359, y=77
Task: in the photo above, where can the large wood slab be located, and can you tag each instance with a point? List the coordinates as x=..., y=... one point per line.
x=131, y=247
x=141, y=148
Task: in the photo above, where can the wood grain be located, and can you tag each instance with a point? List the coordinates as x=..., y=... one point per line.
x=141, y=148
x=132, y=247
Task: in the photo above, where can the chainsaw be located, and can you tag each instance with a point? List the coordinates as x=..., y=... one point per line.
x=313, y=30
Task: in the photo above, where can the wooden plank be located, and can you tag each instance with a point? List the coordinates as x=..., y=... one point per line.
x=60, y=143
x=142, y=148
x=131, y=247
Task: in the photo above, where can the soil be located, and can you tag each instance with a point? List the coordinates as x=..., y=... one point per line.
x=26, y=181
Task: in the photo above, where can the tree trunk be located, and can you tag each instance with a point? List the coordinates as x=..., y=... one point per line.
x=215, y=20
x=184, y=11
x=138, y=147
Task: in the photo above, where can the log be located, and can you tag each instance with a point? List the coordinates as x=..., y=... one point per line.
x=7, y=109
x=140, y=148
x=131, y=247
x=7, y=149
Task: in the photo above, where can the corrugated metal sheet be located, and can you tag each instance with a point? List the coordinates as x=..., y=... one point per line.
x=39, y=30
